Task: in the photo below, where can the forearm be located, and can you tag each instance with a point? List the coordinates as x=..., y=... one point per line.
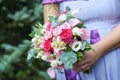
x=50, y=9
x=111, y=41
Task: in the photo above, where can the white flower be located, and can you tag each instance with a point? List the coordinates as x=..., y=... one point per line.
x=54, y=63
x=76, y=46
x=35, y=38
x=74, y=12
x=51, y=72
x=62, y=18
x=76, y=31
x=43, y=57
x=60, y=63
x=83, y=45
x=40, y=54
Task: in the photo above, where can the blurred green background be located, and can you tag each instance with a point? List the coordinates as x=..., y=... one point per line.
x=16, y=20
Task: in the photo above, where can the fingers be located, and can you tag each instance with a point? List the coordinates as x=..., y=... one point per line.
x=82, y=68
x=80, y=63
x=85, y=67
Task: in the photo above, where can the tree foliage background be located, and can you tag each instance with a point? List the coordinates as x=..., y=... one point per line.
x=16, y=20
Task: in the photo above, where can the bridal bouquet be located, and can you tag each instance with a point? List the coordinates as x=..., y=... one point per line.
x=60, y=42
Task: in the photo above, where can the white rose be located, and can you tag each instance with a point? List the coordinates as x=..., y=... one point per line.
x=76, y=31
x=76, y=46
x=62, y=18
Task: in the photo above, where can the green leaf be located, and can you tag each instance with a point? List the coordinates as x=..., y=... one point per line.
x=88, y=47
x=31, y=53
x=32, y=34
x=69, y=16
x=68, y=58
x=80, y=55
x=54, y=21
x=68, y=8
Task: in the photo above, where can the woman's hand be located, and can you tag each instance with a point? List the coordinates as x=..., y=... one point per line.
x=89, y=59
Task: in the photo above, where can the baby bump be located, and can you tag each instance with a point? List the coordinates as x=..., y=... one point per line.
x=99, y=29
x=93, y=9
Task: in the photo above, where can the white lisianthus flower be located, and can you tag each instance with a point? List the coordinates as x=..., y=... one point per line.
x=43, y=57
x=83, y=45
x=54, y=63
x=76, y=46
x=76, y=31
x=62, y=18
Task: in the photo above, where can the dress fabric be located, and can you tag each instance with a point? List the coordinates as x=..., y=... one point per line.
x=101, y=16
x=53, y=1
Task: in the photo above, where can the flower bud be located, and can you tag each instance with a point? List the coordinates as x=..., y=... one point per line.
x=62, y=18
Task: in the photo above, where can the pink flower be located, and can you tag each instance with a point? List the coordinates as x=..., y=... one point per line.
x=84, y=35
x=65, y=25
x=47, y=45
x=47, y=54
x=47, y=35
x=48, y=26
x=56, y=31
x=64, y=12
x=51, y=73
x=66, y=35
x=35, y=45
x=73, y=22
x=58, y=52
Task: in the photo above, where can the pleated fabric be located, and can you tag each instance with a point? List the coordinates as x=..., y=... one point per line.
x=103, y=16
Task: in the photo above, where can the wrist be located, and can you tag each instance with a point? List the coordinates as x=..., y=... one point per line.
x=97, y=50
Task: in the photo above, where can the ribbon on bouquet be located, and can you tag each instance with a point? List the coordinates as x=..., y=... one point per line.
x=94, y=37
x=71, y=74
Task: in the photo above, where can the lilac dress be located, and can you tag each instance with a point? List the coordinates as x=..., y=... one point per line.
x=100, y=17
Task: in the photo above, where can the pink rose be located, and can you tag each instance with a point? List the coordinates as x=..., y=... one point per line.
x=47, y=45
x=84, y=35
x=66, y=35
x=47, y=35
